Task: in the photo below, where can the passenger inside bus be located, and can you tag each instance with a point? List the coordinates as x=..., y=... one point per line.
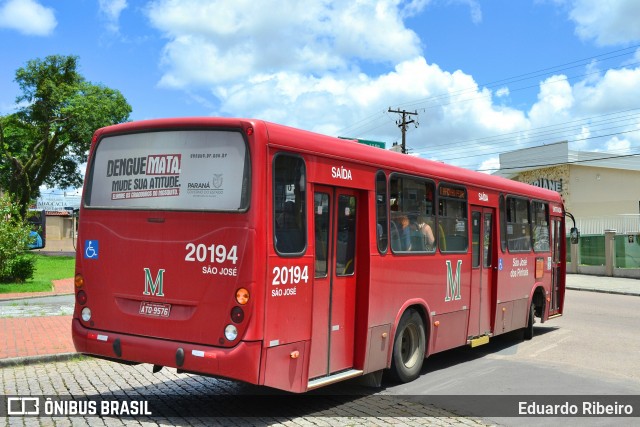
x=422, y=238
x=400, y=233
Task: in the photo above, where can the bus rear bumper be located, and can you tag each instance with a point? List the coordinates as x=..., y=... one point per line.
x=241, y=362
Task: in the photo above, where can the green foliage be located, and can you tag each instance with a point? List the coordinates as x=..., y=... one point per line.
x=19, y=269
x=49, y=136
x=15, y=262
x=47, y=269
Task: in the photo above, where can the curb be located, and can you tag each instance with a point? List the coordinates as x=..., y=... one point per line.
x=604, y=291
x=34, y=360
x=34, y=296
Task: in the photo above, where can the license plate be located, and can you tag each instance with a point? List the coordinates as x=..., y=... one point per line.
x=157, y=309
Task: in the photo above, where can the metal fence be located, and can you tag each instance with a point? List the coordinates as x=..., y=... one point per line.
x=591, y=251
x=628, y=224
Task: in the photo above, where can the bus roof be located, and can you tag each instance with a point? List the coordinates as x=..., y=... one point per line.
x=314, y=143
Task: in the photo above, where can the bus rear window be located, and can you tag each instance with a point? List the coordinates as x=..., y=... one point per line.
x=174, y=170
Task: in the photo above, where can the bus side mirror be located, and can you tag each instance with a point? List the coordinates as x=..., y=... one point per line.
x=38, y=221
x=575, y=236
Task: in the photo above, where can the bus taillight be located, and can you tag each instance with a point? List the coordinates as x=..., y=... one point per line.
x=242, y=296
x=237, y=315
x=79, y=281
x=231, y=332
x=81, y=298
x=81, y=295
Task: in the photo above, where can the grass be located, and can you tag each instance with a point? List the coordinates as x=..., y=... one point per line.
x=47, y=268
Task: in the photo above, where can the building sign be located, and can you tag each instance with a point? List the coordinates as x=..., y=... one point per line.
x=55, y=203
x=549, y=184
x=378, y=144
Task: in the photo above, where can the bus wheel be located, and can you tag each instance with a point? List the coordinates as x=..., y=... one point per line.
x=408, y=347
x=528, y=330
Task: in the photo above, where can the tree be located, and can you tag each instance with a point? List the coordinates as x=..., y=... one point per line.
x=15, y=264
x=48, y=138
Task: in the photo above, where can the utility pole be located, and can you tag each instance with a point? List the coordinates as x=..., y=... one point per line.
x=403, y=125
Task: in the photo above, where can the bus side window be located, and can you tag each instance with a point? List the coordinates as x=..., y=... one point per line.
x=321, y=223
x=381, y=212
x=289, y=217
x=518, y=227
x=452, y=219
x=540, y=219
x=412, y=216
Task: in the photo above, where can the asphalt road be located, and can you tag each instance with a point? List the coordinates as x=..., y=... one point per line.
x=594, y=349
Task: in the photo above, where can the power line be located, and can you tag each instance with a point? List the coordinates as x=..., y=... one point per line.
x=570, y=162
x=532, y=74
x=611, y=156
x=370, y=123
x=552, y=132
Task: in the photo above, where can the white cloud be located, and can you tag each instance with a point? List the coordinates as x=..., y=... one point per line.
x=502, y=92
x=616, y=90
x=618, y=146
x=27, y=17
x=474, y=7
x=606, y=22
x=555, y=101
x=323, y=66
x=306, y=68
x=111, y=10
x=490, y=165
x=213, y=42
x=595, y=114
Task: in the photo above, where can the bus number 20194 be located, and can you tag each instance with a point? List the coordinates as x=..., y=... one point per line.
x=212, y=253
x=290, y=275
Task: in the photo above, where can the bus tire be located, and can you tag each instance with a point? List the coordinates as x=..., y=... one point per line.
x=528, y=330
x=408, y=347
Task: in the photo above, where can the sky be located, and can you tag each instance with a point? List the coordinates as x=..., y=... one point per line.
x=484, y=77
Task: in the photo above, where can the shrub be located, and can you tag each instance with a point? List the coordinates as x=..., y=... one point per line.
x=16, y=265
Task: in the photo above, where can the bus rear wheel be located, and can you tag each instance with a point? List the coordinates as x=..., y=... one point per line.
x=408, y=347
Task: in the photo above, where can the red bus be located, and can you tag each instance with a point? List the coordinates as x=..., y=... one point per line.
x=248, y=250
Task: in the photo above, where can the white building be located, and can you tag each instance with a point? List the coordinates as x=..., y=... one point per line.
x=601, y=190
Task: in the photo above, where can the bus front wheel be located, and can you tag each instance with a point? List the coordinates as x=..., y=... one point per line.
x=408, y=347
x=528, y=330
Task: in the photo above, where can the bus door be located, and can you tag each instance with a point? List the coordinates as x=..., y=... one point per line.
x=332, y=342
x=556, y=273
x=483, y=263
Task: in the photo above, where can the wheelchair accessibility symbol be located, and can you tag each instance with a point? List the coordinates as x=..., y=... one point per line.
x=91, y=249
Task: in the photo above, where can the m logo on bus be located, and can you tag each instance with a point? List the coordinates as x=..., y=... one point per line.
x=151, y=286
x=453, y=282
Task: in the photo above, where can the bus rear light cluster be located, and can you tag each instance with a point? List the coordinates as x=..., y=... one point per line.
x=237, y=314
x=81, y=297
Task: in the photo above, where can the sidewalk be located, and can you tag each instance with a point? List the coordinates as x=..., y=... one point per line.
x=40, y=339
x=36, y=339
x=610, y=285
